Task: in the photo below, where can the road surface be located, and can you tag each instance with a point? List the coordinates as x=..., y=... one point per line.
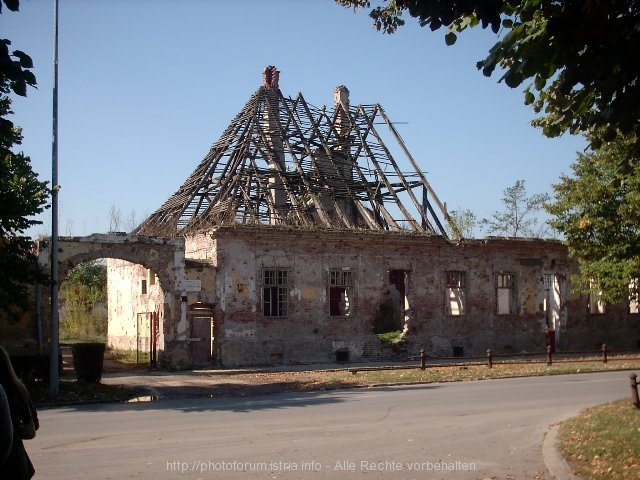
x=492, y=429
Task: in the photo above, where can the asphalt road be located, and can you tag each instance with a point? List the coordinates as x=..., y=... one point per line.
x=491, y=429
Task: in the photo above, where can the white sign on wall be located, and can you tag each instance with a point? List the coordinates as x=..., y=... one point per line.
x=194, y=285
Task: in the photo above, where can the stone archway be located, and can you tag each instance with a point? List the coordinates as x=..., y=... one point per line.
x=165, y=256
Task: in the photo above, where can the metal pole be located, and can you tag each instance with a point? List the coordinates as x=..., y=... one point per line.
x=634, y=390
x=55, y=347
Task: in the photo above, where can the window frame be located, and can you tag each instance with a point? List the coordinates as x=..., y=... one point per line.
x=455, y=290
x=594, y=305
x=634, y=296
x=506, y=281
x=276, y=281
x=340, y=280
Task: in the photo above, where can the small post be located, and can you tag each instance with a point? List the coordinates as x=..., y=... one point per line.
x=422, y=359
x=634, y=390
x=490, y=358
x=549, y=355
x=604, y=353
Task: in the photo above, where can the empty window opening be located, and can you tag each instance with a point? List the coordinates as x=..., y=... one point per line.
x=595, y=305
x=506, y=293
x=143, y=286
x=342, y=356
x=551, y=301
x=275, y=292
x=633, y=296
x=340, y=293
x=391, y=315
x=455, y=293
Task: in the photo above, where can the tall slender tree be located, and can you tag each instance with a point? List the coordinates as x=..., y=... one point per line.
x=518, y=218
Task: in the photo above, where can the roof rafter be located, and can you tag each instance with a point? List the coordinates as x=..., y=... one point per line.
x=282, y=161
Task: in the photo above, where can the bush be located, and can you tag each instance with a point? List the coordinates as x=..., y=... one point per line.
x=390, y=337
x=88, y=359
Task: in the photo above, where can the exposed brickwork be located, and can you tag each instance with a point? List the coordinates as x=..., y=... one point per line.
x=397, y=275
x=309, y=334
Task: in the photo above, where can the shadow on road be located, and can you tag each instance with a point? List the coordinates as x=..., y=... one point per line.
x=234, y=397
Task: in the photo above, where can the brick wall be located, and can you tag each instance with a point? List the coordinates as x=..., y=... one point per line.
x=309, y=334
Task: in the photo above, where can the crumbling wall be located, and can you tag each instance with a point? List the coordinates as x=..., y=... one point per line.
x=133, y=293
x=309, y=334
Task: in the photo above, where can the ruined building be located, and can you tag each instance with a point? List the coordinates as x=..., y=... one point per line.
x=303, y=238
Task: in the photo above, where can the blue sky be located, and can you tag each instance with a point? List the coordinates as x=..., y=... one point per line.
x=146, y=86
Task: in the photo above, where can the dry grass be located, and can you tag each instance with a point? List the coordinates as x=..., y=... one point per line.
x=602, y=443
x=344, y=378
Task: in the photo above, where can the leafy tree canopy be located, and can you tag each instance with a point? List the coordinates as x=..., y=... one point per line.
x=92, y=275
x=14, y=66
x=577, y=57
x=597, y=210
x=22, y=195
x=82, y=292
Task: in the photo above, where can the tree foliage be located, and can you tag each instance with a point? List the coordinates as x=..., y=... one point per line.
x=465, y=221
x=22, y=195
x=83, y=292
x=577, y=57
x=15, y=73
x=518, y=217
x=598, y=211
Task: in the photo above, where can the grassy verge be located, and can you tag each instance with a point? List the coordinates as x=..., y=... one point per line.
x=332, y=379
x=602, y=442
x=129, y=358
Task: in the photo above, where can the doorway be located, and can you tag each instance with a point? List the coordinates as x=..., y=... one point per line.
x=147, y=335
x=202, y=335
x=392, y=312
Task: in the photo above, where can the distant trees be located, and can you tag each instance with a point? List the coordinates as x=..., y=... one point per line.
x=84, y=294
x=518, y=217
x=116, y=222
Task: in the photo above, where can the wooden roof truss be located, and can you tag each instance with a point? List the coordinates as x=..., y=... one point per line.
x=282, y=161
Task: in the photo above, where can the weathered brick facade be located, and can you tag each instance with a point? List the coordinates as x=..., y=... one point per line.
x=307, y=332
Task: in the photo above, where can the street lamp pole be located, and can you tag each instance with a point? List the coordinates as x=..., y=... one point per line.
x=55, y=327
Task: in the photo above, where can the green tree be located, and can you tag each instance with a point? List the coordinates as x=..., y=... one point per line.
x=466, y=222
x=518, y=217
x=597, y=210
x=579, y=57
x=22, y=195
x=15, y=73
x=83, y=293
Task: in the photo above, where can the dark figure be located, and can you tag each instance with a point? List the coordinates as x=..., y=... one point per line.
x=6, y=428
x=24, y=420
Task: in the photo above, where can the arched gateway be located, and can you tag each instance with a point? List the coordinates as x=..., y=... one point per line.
x=162, y=255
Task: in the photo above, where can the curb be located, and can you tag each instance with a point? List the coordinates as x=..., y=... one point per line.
x=555, y=463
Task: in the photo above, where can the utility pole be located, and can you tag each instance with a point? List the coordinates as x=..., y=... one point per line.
x=55, y=346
